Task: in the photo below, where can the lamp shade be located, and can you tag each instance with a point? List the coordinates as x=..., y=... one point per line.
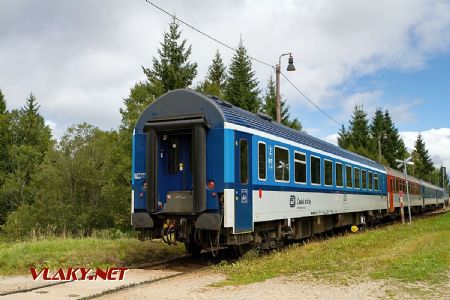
x=290, y=66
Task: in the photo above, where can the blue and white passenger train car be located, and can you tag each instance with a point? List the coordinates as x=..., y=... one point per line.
x=208, y=173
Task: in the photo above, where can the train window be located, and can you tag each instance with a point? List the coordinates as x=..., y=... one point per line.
x=315, y=170
x=243, y=164
x=328, y=167
x=375, y=181
x=370, y=181
x=339, y=175
x=282, y=164
x=357, y=179
x=349, y=176
x=262, y=174
x=173, y=156
x=300, y=167
x=364, y=179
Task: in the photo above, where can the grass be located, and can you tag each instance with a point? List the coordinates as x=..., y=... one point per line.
x=17, y=258
x=407, y=253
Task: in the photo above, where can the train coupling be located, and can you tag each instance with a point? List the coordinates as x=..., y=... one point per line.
x=174, y=231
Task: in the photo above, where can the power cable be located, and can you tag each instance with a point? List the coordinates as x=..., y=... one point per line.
x=310, y=101
x=235, y=50
x=205, y=34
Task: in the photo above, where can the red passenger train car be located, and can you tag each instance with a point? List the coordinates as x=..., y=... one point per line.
x=397, y=187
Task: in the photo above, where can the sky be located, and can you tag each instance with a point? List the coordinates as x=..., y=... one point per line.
x=80, y=58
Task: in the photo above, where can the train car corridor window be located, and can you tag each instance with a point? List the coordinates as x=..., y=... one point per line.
x=282, y=164
x=375, y=179
x=349, y=176
x=328, y=167
x=173, y=156
x=339, y=175
x=315, y=170
x=300, y=167
x=364, y=179
x=262, y=161
x=370, y=181
x=243, y=164
x=357, y=179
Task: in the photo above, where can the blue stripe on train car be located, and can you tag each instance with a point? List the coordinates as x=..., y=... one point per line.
x=139, y=170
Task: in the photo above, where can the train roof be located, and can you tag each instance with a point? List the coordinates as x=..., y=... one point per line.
x=431, y=186
x=217, y=112
x=396, y=173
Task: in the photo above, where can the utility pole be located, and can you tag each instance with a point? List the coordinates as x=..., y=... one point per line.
x=290, y=67
x=379, y=144
x=405, y=164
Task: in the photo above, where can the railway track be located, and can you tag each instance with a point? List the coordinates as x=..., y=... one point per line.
x=157, y=271
x=165, y=269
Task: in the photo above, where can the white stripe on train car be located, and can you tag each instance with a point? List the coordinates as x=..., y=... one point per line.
x=263, y=134
x=228, y=208
x=278, y=205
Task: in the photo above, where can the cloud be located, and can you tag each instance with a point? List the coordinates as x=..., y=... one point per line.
x=80, y=58
x=402, y=112
x=332, y=139
x=437, y=141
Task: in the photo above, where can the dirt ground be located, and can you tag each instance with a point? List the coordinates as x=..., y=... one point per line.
x=198, y=286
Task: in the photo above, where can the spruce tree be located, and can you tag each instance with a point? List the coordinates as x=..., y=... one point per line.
x=31, y=128
x=357, y=137
x=2, y=103
x=4, y=137
x=393, y=147
x=269, y=107
x=30, y=141
x=359, y=129
x=216, y=78
x=242, y=86
x=343, y=138
x=172, y=70
x=423, y=165
x=378, y=131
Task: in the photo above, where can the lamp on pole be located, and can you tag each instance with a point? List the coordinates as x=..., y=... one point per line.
x=405, y=164
x=379, y=144
x=290, y=67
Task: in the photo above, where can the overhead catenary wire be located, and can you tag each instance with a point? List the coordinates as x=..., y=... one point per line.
x=205, y=34
x=249, y=56
x=312, y=102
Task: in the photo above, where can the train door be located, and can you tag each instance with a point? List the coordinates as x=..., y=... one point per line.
x=175, y=187
x=243, y=183
x=391, y=195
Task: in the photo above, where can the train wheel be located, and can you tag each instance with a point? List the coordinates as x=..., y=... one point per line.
x=193, y=248
x=239, y=250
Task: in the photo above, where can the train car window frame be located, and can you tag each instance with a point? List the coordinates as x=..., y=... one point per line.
x=275, y=163
x=311, y=170
x=265, y=161
x=364, y=179
x=375, y=182
x=370, y=175
x=300, y=162
x=244, y=182
x=357, y=178
x=347, y=167
x=325, y=173
x=336, y=174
